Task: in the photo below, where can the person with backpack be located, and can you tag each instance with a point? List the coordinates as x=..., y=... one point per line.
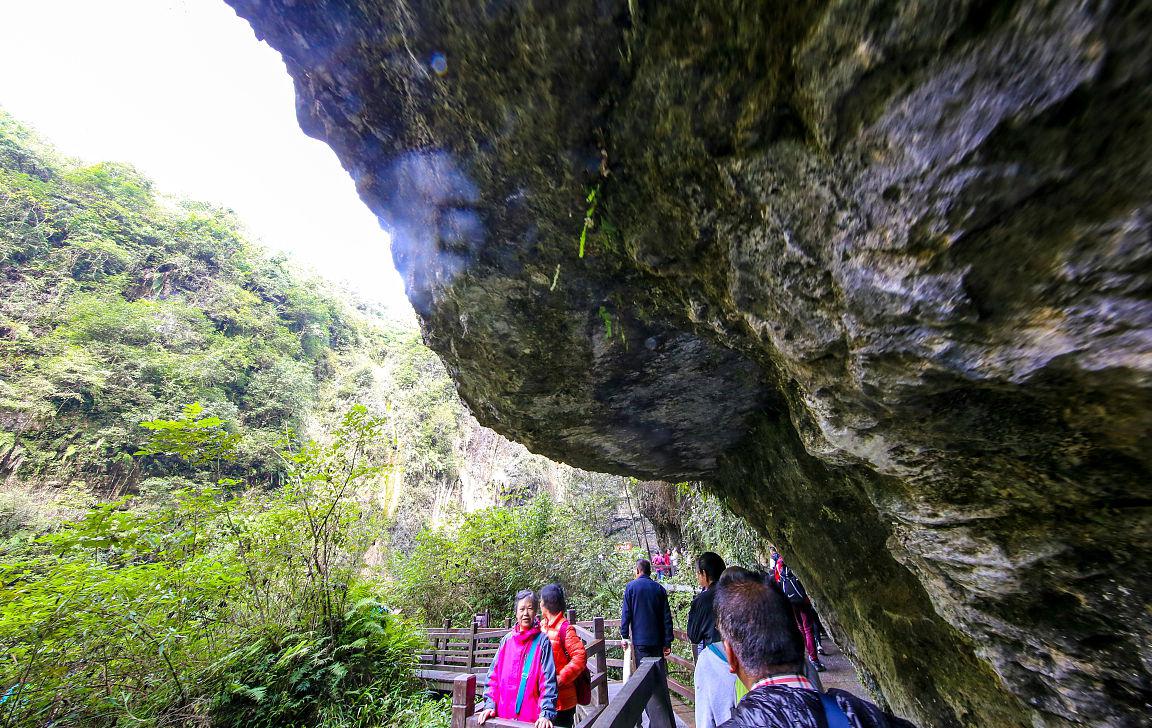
x=717, y=689
x=572, y=677
x=764, y=649
x=522, y=677
x=802, y=609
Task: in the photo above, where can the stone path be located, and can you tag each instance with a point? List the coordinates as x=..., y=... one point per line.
x=840, y=673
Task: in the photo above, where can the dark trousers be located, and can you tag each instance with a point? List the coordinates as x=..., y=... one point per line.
x=643, y=651
x=565, y=718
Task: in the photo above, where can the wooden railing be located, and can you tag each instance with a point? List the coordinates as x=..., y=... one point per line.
x=685, y=691
x=645, y=692
x=469, y=652
x=458, y=659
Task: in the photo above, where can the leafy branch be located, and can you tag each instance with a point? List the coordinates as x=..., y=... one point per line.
x=593, y=200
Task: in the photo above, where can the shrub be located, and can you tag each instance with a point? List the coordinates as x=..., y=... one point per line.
x=478, y=566
x=306, y=677
x=214, y=606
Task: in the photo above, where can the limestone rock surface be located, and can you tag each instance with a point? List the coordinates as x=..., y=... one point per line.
x=877, y=271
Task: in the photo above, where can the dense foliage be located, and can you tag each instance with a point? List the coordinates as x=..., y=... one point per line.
x=118, y=304
x=478, y=564
x=708, y=525
x=203, y=596
x=248, y=610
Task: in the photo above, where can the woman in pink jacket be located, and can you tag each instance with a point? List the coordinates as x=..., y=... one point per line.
x=522, y=678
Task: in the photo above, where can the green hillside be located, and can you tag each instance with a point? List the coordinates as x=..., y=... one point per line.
x=119, y=305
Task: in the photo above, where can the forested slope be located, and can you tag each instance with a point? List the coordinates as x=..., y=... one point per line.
x=119, y=305
x=189, y=601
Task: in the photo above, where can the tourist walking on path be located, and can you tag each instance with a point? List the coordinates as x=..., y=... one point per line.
x=645, y=617
x=522, y=678
x=701, y=625
x=658, y=564
x=567, y=650
x=714, y=683
x=802, y=609
x=764, y=650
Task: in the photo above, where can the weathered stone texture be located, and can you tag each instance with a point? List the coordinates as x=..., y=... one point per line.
x=879, y=272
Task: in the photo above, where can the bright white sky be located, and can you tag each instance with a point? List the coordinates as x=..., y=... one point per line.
x=183, y=90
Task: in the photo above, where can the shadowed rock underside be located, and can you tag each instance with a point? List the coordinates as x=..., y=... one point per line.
x=878, y=272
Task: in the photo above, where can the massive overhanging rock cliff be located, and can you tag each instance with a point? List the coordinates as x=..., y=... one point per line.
x=878, y=272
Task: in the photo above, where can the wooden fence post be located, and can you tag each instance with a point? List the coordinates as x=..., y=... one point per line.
x=463, y=699
x=601, y=695
x=659, y=708
x=447, y=638
x=472, y=647
x=572, y=616
x=628, y=663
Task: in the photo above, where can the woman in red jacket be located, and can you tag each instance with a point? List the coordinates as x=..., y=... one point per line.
x=567, y=651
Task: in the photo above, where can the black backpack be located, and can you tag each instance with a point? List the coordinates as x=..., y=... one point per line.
x=792, y=588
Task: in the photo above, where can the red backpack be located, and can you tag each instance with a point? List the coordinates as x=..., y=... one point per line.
x=583, y=682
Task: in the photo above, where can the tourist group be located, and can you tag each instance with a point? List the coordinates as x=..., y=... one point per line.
x=757, y=642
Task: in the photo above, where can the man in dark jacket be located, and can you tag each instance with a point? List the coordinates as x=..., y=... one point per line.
x=764, y=649
x=701, y=625
x=645, y=617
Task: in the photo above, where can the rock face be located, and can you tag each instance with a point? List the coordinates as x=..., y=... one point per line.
x=877, y=271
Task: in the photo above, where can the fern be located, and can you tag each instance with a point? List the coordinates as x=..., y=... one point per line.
x=255, y=694
x=336, y=673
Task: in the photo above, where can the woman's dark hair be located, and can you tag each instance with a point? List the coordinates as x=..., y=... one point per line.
x=737, y=574
x=552, y=597
x=711, y=565
x=526, y=594
x=756, y=620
